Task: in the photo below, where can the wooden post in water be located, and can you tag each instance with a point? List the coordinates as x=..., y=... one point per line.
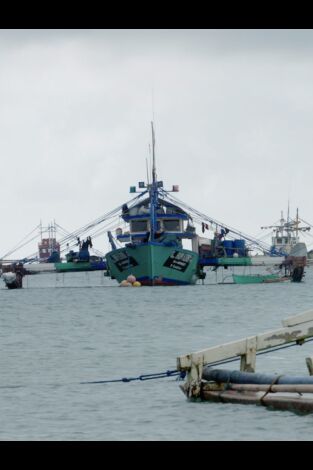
x=247, y=360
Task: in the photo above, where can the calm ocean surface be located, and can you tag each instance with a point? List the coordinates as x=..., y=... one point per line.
x=64, y=329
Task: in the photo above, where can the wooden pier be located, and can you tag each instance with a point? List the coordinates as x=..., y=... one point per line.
x=294, y=396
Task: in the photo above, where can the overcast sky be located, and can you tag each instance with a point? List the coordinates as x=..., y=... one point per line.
x=233, y=113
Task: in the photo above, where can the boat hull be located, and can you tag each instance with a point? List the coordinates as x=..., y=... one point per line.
x=79, y=266
x=154, y=264
x=257, y=278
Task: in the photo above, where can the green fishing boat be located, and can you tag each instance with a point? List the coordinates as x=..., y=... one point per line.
x=153, y=250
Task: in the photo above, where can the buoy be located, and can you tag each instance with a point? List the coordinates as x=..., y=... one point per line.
x=136, y=284
x=125, y=283
x=131, y=279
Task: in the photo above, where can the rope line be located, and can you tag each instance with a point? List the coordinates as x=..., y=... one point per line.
x=158, y=375
x=182, y=374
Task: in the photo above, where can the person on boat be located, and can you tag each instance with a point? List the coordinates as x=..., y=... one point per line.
x=224, y=232
x=125, y=209
x=204, y=227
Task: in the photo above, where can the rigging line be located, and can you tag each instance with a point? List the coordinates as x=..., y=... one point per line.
x=307, y=223
x=276, y=224
x=305, y=234
x=262, y=245
x=182, y=374
x=101, y=230
x=21, y=246
x=82, y=230
x=90, y=225
x=262, y=236
x=108, y=225
x=24, y=238
x=92, y=234
x=97, y=252
x=101, y=219
x=73, y=240
x=63, y=229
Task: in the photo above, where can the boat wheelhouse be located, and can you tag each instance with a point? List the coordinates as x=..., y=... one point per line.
x=285, y=237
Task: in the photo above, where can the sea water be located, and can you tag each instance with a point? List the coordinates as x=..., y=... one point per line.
x=64, y=329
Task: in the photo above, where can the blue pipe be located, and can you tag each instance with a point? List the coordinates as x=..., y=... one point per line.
x=237, y=377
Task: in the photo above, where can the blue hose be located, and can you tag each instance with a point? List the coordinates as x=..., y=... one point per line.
x=237, y=377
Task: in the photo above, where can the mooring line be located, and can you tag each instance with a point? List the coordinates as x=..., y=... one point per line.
x=159, y=375
x=182, y=374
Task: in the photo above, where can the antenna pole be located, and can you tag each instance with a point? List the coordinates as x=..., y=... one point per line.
x=147, y=171
x=154, y=178
x=153, y=191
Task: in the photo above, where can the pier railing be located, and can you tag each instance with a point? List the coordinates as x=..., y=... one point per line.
x=296, y=329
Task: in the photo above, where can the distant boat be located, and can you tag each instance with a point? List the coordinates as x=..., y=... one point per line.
x=81, y=260
x=285, y=237
x=76, y=261
x=258, y=278
x=48, y=247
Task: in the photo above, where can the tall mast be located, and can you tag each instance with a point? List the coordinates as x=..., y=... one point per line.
x=154, y=177
x=153, y=191
x=147, y=170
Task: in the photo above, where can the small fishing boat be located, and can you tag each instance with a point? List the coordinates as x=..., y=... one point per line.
x=81, y=260
x=48, y=258
x=286, y=236
x=258, y=278
x=76, y=261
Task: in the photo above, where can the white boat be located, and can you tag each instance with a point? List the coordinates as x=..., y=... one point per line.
x=285, y=237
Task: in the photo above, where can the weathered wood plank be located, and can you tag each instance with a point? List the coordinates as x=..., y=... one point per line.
x=279, y=402
x=297, y=319
x=288, y=388
x=247, y=360
x=263, y=341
